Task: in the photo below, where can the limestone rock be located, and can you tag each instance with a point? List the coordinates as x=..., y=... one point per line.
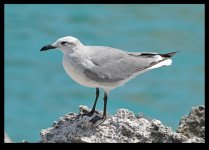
x=123, y=127
x=193, y=124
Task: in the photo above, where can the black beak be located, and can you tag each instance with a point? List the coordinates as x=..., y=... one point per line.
x=47, y=47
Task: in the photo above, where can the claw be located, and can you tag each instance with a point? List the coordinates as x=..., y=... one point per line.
x=89, y=114
x=95, y=119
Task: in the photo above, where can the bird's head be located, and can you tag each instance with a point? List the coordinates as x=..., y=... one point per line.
x=65, y=44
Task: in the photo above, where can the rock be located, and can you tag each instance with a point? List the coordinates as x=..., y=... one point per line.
x=193, y=124
x=6, y=138
x=123, y=127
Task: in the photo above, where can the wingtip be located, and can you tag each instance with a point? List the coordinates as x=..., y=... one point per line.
x=173, y=53
x=176, y=51
x=169, y=54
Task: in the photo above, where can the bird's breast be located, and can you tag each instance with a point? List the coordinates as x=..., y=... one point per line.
x=75, y=70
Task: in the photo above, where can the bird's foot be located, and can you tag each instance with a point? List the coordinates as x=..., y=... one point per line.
x=97, y=120
x=89, y=114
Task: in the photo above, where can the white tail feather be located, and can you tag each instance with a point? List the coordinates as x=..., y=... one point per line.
x=163, y=63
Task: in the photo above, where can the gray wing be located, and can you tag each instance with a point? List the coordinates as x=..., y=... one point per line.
x=113, y=65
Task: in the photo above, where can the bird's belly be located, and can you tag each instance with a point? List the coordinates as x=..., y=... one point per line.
x=75, y=71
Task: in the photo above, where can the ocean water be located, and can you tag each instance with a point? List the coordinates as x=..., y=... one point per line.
x=38, y=91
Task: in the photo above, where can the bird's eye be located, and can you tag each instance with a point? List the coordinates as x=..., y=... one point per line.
x=63, y=43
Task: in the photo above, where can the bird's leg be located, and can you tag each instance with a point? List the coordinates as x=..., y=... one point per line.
x=97, y=118
x=105, y=106
x=95, y=102
x=94, y=106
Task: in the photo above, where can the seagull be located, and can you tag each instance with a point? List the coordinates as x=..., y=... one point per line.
x=103, y=67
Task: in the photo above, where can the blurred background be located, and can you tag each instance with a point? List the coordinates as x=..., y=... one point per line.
x=38, y=91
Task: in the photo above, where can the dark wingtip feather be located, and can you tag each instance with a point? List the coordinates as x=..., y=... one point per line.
x=169, y=54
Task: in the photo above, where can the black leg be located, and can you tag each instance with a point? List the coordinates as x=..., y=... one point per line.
x=105, y=105
x=95, y=102
x=98, y=118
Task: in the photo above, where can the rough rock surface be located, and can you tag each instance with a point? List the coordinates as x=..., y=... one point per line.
x=193, y=124
x=6, y=138
x=123, y=127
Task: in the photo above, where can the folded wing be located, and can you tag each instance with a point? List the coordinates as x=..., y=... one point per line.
x=110, y=65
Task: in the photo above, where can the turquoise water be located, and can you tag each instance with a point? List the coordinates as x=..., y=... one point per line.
x=38, y=91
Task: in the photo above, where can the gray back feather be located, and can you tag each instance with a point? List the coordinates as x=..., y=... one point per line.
x=113, y=65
